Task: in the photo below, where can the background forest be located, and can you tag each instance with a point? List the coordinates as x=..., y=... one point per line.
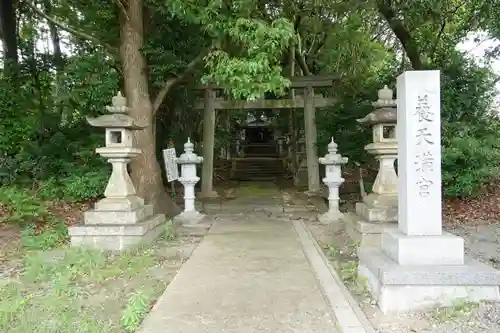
x=64, y=60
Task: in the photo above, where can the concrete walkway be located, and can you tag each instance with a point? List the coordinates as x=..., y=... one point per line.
x=249, y=274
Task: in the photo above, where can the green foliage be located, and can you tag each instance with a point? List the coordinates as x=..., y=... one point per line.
x=170, y=233
x=257, y=71
x=135, y=311
x=470, y=163
x=75, y=187
x=66, y=290
x=41, y=230
x=470, y=130
x=53, y=234
x=23, y=207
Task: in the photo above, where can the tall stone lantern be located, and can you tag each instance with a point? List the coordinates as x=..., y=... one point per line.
x=121, y=219
x=381, y=204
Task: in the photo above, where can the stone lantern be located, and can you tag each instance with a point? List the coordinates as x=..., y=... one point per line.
x=379, y=209
x=120, y=219
x=381, y=204
x=188, y=162
x=333, y=179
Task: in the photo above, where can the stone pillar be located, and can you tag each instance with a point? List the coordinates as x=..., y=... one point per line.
x=188, y=161
x=418, y=265
x=379, y=209
x=121, y=219
x=311, y=137
x=333, y=179
x=207, y=173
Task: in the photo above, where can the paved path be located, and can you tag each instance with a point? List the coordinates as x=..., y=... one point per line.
x=249, y=274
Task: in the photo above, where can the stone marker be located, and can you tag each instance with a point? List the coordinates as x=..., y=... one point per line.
x=121, y=219
x=378, y=210
x=418, y=265
x=333, y=179
x=188, y=161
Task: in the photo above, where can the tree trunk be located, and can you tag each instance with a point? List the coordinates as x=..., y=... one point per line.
x=402, y=33
x=58, y=60
x=8, y=22
x=146, y=172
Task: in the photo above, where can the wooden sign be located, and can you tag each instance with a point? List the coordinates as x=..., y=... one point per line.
x=171, y=168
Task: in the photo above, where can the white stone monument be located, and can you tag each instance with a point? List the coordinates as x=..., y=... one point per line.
x=379, y=209
x=121, y=219
x=333, y=179
x=188, y=162
x=418, y=265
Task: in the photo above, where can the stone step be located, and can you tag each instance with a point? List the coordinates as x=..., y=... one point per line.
x=255, y=178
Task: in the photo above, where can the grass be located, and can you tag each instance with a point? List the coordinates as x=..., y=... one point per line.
x=344, y=260
x=255, y=190
x=461, y=309
x=83, y=290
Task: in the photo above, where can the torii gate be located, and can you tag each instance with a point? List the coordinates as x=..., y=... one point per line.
x=309, y=102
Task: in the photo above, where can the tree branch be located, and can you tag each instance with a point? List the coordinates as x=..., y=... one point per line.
x=169, y=84
x=109, y=49
x=299, y=55
x=122, y=8
x=301, y=59
x=438, y=38
x=404, y=36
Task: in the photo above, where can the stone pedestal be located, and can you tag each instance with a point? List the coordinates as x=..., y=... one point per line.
x=188, y=161
x=379, y=209
x=333, y=179
x=418, y=266
x=120, y=220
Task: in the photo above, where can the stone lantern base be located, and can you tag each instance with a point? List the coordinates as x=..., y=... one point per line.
x=190, y=218
x=373, y=215
x=117, y=226
x=330, y=217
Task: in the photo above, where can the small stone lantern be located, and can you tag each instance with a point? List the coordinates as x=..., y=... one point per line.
x=381, y=204
x=188, y=161
x=121, y=219
x=333, y=179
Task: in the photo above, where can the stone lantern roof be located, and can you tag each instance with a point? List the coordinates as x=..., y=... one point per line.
x=385, y=109
x=189, y=157
x=332, y=157
x=118, y=117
